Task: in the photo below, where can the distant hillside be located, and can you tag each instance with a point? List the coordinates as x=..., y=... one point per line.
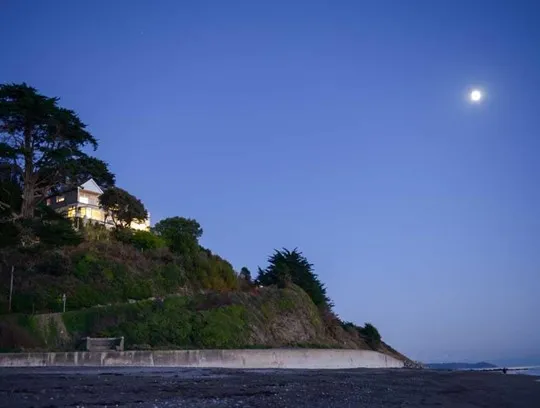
x=459, y=366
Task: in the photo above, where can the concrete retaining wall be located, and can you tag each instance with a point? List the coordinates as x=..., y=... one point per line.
x=271, y=358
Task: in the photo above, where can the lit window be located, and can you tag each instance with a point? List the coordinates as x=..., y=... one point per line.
x=59, y=199
x=97, y=215
x=71, y=212
x=89, y=213
x=83, y=199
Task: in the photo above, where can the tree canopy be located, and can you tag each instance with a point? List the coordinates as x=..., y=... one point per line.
x=122, y=207
x=181, y=234
x=371, y=334
x=43, y=144
x=47, y=229
x=10, y=199
x=245, y=274
x=291, y=266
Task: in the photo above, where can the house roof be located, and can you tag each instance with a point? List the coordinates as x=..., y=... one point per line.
x=92, y=186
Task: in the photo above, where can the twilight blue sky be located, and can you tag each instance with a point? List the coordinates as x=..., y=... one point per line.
x=339, y=127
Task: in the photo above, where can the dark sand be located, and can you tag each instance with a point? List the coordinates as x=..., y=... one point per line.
x=135, y=387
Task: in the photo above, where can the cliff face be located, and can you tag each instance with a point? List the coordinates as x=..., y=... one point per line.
x=267, y=317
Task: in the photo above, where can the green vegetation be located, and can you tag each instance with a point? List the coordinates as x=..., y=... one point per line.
x=286, y=267
x=91, y=265
x=47, y=229
x=143, y=240
x=44, y=143
x=158, y=288
x=109, y=271
x=214, y=320
x=100, y=273
x=181, y=234
x=372, y=335
x=245, y=274
x=122, y=207
x=369, y=333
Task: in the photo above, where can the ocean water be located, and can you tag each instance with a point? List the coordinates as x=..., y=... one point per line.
x=536, y=372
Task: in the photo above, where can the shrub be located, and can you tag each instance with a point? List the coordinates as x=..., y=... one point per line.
x=16, y=338
x=55, y=230
x=95, y=232
x=137, y=289
x=86, y=295
x=10, y=234
x=209, y=271
x=245, y=274
x=79, y=322
x=142, y=240
x=169, y=278
x=372, y=335
x=123, y=235
x=29, y=302
x=48, y=229
x=349, y=326
x=55, y=263
x=169, y=323
x=83, y=264
x=146, y=240
x=224, y=327
x=172, y=325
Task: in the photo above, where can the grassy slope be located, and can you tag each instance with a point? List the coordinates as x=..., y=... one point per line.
x=268, y=317
x=100, y=273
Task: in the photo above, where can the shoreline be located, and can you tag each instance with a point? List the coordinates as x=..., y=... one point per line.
x=227, y=388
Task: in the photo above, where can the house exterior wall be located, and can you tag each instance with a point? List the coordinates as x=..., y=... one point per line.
x=84, y=204
x=63, y=200
x=88, y=198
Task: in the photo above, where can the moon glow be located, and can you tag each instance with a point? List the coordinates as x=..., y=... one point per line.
x=476, y=96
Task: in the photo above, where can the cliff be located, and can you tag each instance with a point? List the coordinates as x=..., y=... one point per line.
x=261, y=318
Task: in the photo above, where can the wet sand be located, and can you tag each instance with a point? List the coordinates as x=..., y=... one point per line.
x=135, y=387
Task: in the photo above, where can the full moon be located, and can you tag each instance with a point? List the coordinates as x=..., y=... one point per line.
x=476, y=95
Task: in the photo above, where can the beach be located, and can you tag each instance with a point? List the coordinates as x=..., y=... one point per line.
x=170, y=387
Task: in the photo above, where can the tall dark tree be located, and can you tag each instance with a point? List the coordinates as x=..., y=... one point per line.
x=10, y=199
x=47, y=228
x=122, y=207
x=181, y=234
x=44, y=144
x=53, y=229
x=291, y=266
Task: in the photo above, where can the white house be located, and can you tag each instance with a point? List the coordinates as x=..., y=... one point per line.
x=83, y=202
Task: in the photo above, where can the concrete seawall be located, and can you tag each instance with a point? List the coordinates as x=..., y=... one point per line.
x=270, y=358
